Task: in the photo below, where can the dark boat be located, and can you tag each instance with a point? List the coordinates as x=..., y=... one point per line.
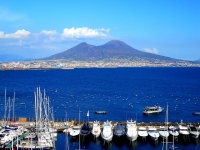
x=196, y=113
x=119, y=130
x=85, y=130
x=100, y=112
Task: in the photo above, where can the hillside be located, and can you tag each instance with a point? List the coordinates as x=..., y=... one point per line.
x=111, y=50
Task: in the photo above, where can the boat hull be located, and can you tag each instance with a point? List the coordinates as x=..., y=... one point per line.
x=132, y=138
x=96, y=133
x=194, y=135
x=107, y=138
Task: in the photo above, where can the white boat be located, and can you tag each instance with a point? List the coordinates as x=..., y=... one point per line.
x=142, y=132
x=152, y=109
x=107, y=133
x=67, y=130
x=131, y=130
x=183, y=131
x=163, y=132
x=4, y=138
x=173, y=132
x=194, y=133
x=153, y=133
x=75, y=131
x=96, y=130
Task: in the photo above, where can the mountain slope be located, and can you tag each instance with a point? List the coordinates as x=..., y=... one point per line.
x=198, y=60
x=111, y=50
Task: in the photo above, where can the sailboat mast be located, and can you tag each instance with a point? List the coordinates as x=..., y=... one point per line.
x=79, y=125
x=167, y=126
x=14, y=107
x=5, y=107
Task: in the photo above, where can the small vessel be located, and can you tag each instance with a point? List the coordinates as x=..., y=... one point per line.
x=196, y=113
x=153, y=133
x=107, y=133
x=119, y=130
x=75, y=131
x=96, y=130
x=85, y=130
x=163, y=132
x=131, y=130
x=173, y=132
x=100, y=112
x=152, y=109
x=194, y=133
x=183, y=131
x=142, y=132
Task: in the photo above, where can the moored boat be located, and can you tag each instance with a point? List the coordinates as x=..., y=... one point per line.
x=131, y=130
x=107, y=133
x=153, y=133
x=85, y=130
x=183, y=131
x=142, y=132
x=173, y=132
x=119, y=130
x=96, y=130
x=75, y=131
x=194, y=133
x=163, y=132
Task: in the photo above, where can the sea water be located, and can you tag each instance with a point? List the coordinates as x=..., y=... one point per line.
x=121, y=92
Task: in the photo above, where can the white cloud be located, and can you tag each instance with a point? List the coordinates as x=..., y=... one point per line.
x=49, y=39
x=84, y=32
x=49, y=32
x=44, y=47
x=154, y=50
x=18, y=34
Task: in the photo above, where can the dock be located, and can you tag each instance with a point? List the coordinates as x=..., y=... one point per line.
x=61, y=125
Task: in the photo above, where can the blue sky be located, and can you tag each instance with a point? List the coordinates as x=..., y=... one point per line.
x=37, y=29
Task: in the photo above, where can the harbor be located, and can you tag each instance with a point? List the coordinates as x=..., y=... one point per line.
x=65, y=127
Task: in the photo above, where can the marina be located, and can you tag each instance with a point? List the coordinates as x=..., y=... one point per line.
x=110, y=132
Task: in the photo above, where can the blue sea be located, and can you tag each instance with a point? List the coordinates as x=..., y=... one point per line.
x=122, y=92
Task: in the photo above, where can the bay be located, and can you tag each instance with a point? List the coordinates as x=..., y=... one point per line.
x=122, y=92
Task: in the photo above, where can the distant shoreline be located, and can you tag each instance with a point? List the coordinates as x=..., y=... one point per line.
x=10, y=69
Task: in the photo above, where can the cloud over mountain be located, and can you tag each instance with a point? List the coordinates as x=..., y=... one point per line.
x=84, y=32
x=154, y=50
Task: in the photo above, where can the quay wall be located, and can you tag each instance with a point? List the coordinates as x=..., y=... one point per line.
x=61, y=125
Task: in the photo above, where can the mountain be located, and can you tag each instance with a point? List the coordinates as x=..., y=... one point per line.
x=12, y=57
x=198, y=60
x=111, y=50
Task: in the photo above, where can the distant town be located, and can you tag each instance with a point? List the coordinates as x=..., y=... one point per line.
x=109, y=63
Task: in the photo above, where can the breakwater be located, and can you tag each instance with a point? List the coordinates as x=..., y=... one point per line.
x=61, y=125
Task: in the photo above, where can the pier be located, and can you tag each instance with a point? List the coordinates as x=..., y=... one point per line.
x=61, y=125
